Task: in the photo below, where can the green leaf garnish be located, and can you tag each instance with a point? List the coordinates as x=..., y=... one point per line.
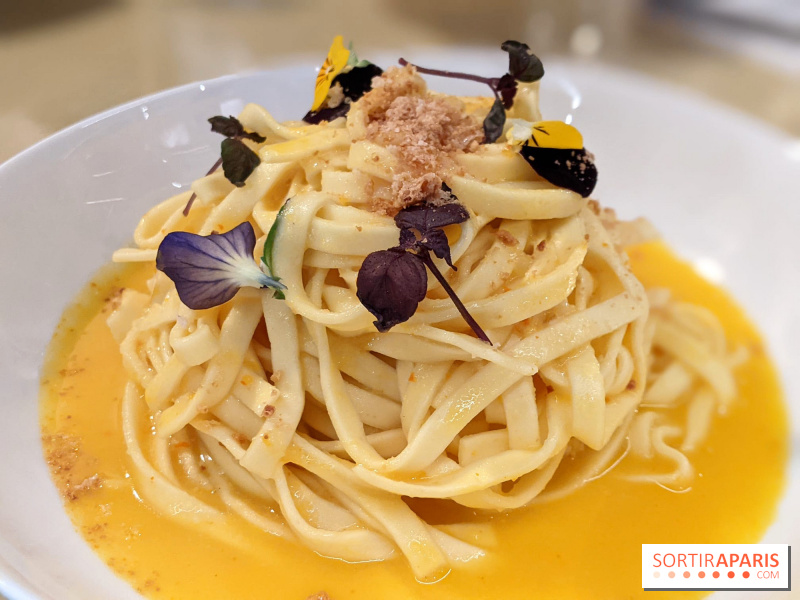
x=353, y=61
x=269, y=245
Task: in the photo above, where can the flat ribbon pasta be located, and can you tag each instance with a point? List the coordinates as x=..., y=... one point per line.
x=315, y=426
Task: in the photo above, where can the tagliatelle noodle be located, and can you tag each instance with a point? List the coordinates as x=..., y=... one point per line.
x=314, y=426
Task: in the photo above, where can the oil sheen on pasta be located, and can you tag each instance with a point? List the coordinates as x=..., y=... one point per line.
x=586, y=545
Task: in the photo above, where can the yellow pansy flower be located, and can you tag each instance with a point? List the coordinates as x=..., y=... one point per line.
x=334, y=63
x=556, y=134
x=544, y=134
x=518, y=131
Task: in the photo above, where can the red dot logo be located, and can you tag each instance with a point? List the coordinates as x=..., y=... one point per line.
x=702, y=574
x=731, y=574
x=716, y=574
x=686, y=574
x=746, y=574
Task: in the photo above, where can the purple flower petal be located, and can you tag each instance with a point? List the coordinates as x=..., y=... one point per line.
x=209, y=270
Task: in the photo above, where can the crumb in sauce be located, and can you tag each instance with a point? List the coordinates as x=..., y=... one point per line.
x=63, y=455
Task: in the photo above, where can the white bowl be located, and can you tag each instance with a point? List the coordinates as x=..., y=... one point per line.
x=721, y=187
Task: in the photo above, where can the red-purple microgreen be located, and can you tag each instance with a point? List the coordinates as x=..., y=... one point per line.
x=391, y=283
x=523, y=66
x=237, y=160
x=230, y=127
x=494, y=122
x=208, y=270
x=421, y=226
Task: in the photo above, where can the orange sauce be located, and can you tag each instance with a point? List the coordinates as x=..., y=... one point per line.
x=586, y=546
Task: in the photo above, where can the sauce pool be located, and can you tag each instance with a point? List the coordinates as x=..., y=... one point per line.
x=585, y=546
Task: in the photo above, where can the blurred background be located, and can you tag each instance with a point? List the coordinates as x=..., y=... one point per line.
x=64, y=60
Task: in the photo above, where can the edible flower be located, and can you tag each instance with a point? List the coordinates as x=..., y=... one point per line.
x=523, y=66
x=208, y=270
x=334, y=64
x=555, y=151
x=391, y=283
x=545, y=134
x=341, y=80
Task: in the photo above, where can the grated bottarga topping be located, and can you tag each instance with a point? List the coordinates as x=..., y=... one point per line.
x=423, y=130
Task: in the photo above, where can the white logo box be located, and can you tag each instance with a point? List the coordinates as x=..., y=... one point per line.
x=716, y=567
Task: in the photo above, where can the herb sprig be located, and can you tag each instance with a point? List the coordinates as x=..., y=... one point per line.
x=269, y=246
x=523, y=66
x=237, y=160
x=391, y=283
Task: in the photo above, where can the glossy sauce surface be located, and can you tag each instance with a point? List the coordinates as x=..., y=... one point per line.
x=585, y=546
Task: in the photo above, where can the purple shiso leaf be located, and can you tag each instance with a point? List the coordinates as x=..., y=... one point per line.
x=208, y=270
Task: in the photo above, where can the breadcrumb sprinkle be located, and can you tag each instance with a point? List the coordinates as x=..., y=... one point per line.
x=63, y=454
x=506, y=237
x=423, y=130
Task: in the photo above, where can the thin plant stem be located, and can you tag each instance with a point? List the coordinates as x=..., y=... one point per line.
x=192, y=198
x=490, y=81
x=426, y=258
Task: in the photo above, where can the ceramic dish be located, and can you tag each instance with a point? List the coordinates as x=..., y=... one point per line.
x=720, y=186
